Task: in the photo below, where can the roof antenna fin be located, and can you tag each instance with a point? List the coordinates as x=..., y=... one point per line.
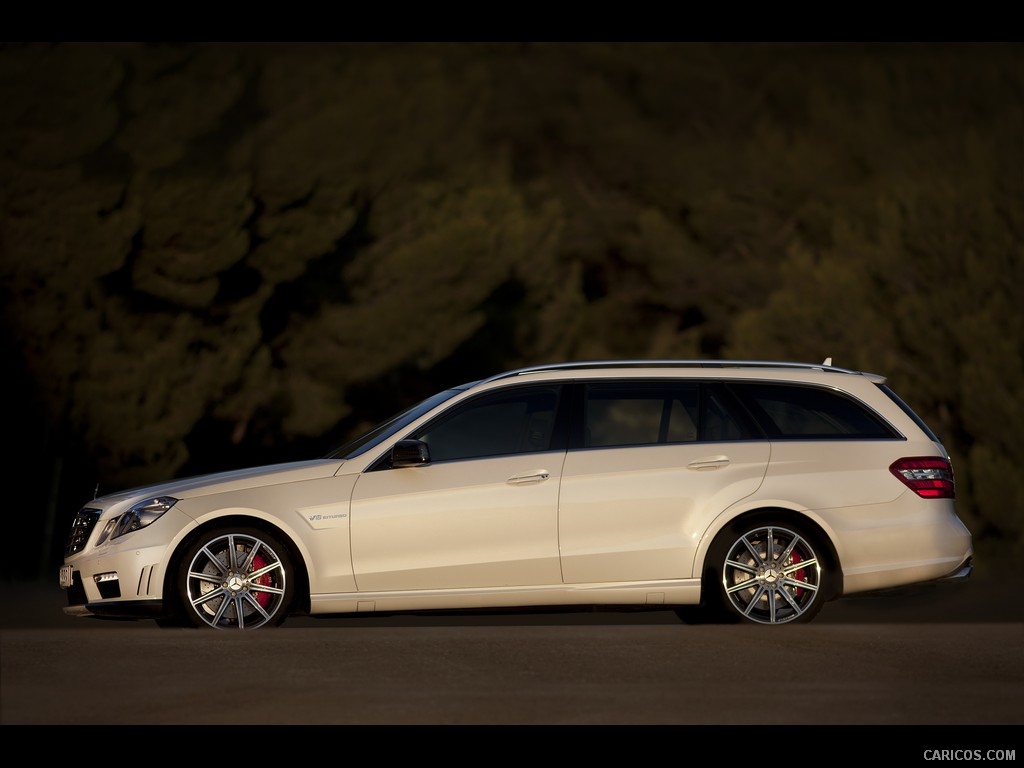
x=828, y=361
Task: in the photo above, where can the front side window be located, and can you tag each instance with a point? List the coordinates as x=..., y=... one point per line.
x=386, y=429
x=789, y=411
x=521, y=420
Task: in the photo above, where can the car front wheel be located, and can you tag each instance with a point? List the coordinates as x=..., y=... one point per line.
x=235, y=578
x=771, y=574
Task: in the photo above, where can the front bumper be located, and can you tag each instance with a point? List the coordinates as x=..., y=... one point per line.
x=120, y=578
x=80, y=605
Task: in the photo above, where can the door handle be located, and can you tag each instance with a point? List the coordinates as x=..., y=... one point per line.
x=711, y=462
x=534, y=477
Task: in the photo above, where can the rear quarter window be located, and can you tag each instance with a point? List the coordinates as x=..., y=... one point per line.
x=797, y=412
x=910, y=412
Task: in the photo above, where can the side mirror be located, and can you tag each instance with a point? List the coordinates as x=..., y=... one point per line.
x=409, y=453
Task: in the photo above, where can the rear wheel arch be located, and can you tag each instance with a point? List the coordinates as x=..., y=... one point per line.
x=714, y=602
x=780, y=515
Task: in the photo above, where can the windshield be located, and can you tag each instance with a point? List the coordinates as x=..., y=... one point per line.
x=386, y=429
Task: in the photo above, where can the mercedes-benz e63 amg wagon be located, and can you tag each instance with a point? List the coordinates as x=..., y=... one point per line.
x=746, y=491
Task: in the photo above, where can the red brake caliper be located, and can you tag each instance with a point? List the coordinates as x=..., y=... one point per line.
x=264, y=581
x=798, y=575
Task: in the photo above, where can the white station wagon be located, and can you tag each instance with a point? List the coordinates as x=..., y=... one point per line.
x=739, y=491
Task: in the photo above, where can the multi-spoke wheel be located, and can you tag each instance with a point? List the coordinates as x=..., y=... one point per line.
x=235, y=578
x=771, y=574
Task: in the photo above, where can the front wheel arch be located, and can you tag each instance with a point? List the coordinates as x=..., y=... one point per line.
x=175, y=614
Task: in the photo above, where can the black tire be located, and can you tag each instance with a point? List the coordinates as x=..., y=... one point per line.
x=768, y=572
x=234, y=578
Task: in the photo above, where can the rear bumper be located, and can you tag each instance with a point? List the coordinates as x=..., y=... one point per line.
x=963, y=573
x=959, y=575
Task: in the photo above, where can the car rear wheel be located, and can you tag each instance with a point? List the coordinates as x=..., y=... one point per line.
x=235, y=578
x=770, y=573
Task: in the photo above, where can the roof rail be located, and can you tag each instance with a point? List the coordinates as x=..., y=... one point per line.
x=671, y=364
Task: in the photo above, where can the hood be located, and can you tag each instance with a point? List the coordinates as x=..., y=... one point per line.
x=253, y=477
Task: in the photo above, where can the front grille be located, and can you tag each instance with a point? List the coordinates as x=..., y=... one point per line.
x=81, y=527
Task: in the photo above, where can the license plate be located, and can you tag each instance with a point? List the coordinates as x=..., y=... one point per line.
x=66, y=572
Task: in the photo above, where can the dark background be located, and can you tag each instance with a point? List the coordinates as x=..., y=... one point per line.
x=216, y=255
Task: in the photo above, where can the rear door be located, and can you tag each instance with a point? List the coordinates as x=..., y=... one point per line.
x=655, y=462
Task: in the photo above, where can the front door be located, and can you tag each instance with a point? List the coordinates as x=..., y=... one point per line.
x=482, y=513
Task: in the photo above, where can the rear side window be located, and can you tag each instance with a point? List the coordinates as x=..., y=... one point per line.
x=645, y=413
x=639, y=415
x=809, y=413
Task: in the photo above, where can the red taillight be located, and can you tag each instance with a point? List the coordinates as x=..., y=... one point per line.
x=927, y=476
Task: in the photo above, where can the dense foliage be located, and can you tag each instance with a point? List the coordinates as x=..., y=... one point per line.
x=215, y=255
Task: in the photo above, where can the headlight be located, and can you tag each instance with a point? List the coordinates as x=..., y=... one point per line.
x=139, y=516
